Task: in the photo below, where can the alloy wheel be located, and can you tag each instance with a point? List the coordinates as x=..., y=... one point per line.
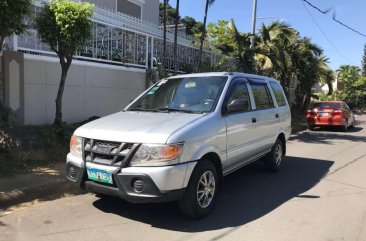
x=278, y=154
x=206, y=189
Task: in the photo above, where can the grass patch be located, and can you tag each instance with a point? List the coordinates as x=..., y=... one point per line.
x=24, y=148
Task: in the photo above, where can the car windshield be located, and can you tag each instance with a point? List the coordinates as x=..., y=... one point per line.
x=334, y=105
x=189, y=95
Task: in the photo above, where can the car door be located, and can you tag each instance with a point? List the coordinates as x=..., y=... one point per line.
x=240, y=126
x=268, y=117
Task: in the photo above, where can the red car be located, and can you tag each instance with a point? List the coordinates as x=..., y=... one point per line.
x=330, y=113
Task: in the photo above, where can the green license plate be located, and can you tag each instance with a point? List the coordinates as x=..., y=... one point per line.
x=99, y=175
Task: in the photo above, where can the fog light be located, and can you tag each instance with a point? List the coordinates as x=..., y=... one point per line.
x=72, y=172
x=138, y=186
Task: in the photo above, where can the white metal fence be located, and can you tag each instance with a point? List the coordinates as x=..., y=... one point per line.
x=121, y=39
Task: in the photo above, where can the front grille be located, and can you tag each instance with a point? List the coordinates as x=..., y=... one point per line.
x=108, y=152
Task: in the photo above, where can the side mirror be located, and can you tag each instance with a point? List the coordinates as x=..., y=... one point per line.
x=238, y=105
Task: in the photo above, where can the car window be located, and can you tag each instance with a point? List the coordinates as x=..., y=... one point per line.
x=277, y=90
x=335, y=105
x=238, y=90
x=262, y=97
x=192, y=94
x=346, y=107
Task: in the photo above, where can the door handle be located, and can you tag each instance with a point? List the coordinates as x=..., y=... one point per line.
x=277, y=115
x=254, y=120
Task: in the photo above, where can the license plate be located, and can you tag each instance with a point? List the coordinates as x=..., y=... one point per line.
x=99, y=175
x=323, y=113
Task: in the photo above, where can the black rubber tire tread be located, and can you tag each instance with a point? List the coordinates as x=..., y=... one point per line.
x=188, y=204
x=270, y=161
x=311, y=127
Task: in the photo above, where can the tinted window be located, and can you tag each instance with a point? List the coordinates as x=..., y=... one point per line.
x=239, y=91
x=262, y=97
x=277, y=90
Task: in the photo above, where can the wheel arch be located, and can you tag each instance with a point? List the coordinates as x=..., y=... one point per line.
x=215, y=159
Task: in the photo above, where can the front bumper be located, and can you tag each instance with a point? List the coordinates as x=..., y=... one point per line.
x=161, y=184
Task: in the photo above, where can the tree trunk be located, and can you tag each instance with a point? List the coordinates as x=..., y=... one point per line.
x=176, y=39
x=164, y=37
x=203, y=36
x=64, y=69
x=330, y=87
x=2, y=39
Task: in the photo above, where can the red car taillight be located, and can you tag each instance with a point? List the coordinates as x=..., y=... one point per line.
x=337, y=112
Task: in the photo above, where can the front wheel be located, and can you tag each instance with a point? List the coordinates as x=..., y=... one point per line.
x=274, y=158
x=200, y=194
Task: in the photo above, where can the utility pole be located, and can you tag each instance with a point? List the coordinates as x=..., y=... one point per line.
x=164, y=38
x=254, y=17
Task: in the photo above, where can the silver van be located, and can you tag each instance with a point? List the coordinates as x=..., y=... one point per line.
x=180, y=137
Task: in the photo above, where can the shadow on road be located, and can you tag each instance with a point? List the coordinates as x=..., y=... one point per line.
x=328, y=136
x=244, y=196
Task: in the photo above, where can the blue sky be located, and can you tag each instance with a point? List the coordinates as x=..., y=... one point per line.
x=340, y=45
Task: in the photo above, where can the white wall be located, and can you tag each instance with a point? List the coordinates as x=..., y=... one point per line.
x=110, y=4
x=91, y=89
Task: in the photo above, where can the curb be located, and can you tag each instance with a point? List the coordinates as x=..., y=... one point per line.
x=35, y=186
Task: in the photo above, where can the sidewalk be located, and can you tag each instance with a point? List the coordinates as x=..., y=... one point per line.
x=41, y=184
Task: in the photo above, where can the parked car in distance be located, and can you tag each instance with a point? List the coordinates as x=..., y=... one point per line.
x=330, y=113
x=180, y=137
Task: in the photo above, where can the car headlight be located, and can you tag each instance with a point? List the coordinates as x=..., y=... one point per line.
x=155, y=155
x=75, y=145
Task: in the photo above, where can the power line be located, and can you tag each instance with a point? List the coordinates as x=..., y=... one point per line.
x=325, y=36
x=333, y=17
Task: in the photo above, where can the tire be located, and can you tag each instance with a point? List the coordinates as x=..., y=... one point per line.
x=344, y=128
x=274, y=158
x=203, y=181
x=311, y=127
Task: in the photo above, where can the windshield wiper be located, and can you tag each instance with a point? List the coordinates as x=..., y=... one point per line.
x=167, y=109
x=148, y=110
x=138, y=109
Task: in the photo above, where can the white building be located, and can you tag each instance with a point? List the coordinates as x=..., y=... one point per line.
x=105, y=76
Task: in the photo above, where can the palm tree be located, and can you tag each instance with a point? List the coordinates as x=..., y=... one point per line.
x=307, y=68
x=203, y=35
x=348, y=73
x=238, y=49
x=176, y=38
x=275, y=51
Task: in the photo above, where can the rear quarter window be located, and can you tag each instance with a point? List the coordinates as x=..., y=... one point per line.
x=277, y=90
x=262, y=97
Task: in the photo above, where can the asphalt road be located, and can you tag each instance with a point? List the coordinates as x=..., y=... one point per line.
x=320, y=194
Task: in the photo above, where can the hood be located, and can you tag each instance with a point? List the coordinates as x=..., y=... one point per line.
x=136, y=127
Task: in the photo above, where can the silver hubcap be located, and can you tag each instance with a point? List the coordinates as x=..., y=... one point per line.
x=278, y=154
x=206, y=189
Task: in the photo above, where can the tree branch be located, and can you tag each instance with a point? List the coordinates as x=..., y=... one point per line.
x=55, y=49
